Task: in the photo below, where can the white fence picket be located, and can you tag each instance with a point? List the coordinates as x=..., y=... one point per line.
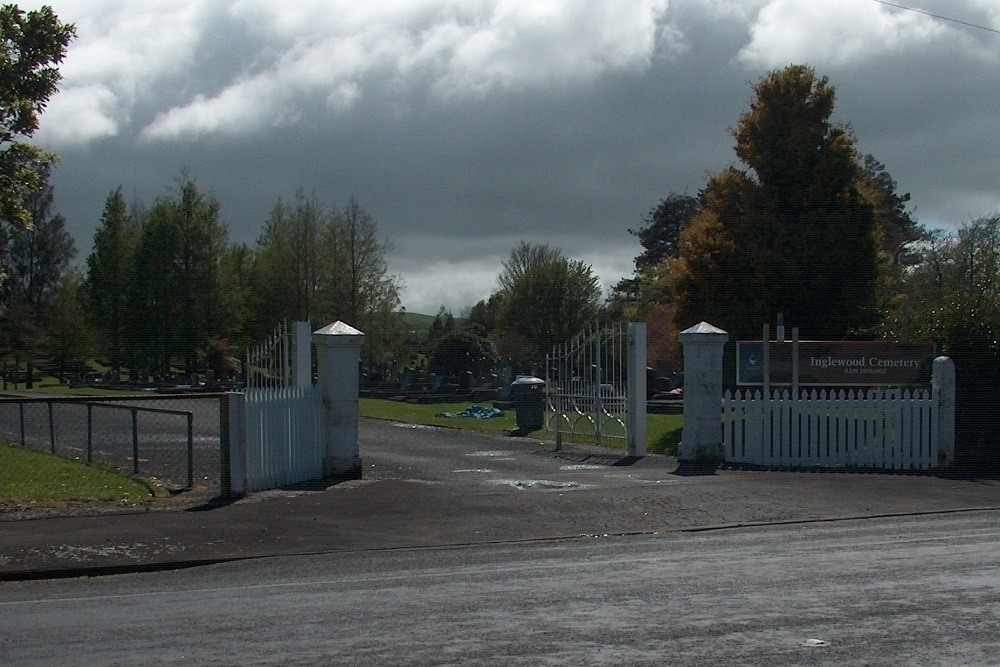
x=876, y=429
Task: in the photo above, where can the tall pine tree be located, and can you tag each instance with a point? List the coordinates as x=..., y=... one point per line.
x=791, y=233
x=109, y=272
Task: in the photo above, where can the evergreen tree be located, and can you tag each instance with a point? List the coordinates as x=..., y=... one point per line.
x=176, y=284
x=35, y=260
x=68, y=339
x=109, y=272
x=793, y=233
x=288, y=264
x=356, y=282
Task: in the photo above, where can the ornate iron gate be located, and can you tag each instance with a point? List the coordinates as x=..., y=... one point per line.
x=596, y=386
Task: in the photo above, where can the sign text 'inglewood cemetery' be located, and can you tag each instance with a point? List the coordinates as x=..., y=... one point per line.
x=832, y=363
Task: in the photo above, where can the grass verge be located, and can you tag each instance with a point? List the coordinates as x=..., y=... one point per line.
x=663, y=432
x=30, y=478
x=51, y=385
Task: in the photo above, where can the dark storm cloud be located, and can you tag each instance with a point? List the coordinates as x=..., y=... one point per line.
x=464, y=127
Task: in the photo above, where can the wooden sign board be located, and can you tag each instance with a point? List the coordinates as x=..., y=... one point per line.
x=836, y=363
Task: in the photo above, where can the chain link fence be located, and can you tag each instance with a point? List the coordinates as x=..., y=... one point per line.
x=172, y=440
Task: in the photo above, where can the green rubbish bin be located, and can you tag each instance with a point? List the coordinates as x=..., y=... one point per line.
x=529, y=402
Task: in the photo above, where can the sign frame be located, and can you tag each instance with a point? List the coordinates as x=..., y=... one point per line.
x=834, y=363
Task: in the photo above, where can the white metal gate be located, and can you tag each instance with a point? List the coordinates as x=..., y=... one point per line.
x=596, y=386
x=284, y=359
x=280, y=414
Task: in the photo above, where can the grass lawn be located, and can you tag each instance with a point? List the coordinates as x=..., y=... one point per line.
x=46, y=384
x=663, y=432
x=31, y=478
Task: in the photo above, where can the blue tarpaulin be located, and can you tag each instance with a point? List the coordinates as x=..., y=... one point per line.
x=474, y=412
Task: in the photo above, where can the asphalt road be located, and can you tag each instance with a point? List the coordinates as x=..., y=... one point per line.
x=893, y=591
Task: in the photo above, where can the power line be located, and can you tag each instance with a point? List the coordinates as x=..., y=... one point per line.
x=937, y=16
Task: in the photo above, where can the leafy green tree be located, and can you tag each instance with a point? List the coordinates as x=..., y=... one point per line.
x=35, y=260
x=153, y=314
x=793, y=233
x=357, y=283
x=33, y=44
x=203, y=240
x=442, y=325
x=546, y=298
x=659, y=238
x=897, y=231
x=176, y=294
x=647, y=295
x=951, y=294
x=486, y=312
x=320, y=266
x=237, y=287
x=289, y=264
x=661, y=233
x=69, y=341
x=109, y=275
x=460, y=351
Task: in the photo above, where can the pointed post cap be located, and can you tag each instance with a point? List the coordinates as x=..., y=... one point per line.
x=704, y=331
x=338, y=333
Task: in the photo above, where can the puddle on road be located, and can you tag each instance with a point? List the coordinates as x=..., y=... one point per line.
x=540, y=484
x=582, y=466
x=496, y=455
x=415, y=426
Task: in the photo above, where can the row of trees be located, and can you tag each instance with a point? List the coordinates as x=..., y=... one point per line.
x=164, y=285
x=164, y=289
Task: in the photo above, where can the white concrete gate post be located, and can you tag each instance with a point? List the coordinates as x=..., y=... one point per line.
x=636, y=389
x=943, y=388
x=701, y=439
x=338, y=357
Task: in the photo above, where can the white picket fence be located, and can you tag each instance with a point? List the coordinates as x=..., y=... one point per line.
x=284, y=436
x=885, y=428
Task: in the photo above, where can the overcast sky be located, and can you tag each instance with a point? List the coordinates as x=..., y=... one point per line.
x=464, y=126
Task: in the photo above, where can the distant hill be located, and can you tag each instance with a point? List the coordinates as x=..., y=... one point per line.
x=417, y=322
x=422, y=323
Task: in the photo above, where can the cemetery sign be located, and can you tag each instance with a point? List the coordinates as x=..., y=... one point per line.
x=836, y=363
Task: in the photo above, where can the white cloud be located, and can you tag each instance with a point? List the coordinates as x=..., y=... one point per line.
x=456, y=285
x=79, y=115
x=332, y=51
x=121, y=54
x=832, y=33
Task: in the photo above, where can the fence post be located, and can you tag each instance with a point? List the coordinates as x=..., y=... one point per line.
x=135, y=440
x=90, y=433
x=190, y=450
x=233, y=444
x=636, y=409
x=338, y=355
x=701, y=439
x=52, y=429
x=943, y=389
